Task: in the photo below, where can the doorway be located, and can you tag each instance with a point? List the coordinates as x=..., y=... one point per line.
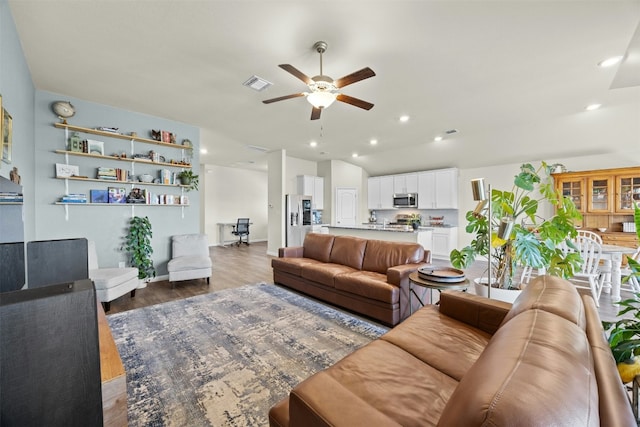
x=346, y=206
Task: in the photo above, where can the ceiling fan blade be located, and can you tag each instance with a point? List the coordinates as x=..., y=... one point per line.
x=315, y=113
x=365, y=73
x=354, y=101
x=282, y=98
x=297, y=73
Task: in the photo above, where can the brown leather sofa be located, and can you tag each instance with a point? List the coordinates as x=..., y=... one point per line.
x=473, y=361
x=370, y=277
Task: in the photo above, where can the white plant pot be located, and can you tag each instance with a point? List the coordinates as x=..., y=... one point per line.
x=506, y=295
x=142, y=283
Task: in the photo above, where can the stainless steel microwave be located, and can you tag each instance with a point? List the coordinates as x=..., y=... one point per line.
x=409, y=200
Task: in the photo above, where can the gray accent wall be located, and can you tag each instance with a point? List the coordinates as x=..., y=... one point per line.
x=107, y=225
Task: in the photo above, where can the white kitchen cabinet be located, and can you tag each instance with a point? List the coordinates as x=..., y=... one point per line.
x=312, y=186
x=405, y=183
x=438, y=189
x=444, y=240
x=380, y=192
x=447, y=189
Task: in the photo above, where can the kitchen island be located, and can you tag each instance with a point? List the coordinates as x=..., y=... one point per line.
x=396, y=233
x=440, y=240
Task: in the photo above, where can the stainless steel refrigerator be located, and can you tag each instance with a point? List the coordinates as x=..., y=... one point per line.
x=297, y=218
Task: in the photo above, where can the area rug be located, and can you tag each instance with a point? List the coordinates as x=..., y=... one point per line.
x=224, y=358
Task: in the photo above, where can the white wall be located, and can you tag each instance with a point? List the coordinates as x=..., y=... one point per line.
x=232, y=193
x=295, y=167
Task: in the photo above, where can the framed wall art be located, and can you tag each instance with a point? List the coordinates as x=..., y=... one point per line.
x=7, y=135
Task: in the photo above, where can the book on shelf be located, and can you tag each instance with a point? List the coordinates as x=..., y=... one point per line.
x=74, y=198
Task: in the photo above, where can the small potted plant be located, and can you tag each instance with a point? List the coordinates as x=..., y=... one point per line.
x=188, y=178
x=138, y=244
x=516, y=235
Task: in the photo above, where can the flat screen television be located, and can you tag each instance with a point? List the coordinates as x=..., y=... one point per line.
x=56, y=261
x=50, y=357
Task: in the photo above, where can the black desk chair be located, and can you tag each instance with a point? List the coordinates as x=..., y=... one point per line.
x=241, y=229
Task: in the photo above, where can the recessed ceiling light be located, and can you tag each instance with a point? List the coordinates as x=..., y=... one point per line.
x=593, y=107
x=437, y=138
x=404, y=119
x=203, y=151
x=373, y=142
x=610, y=62
x=354, y=155
x=313, y=144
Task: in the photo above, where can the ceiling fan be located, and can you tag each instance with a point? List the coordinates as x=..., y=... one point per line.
x=323, y=89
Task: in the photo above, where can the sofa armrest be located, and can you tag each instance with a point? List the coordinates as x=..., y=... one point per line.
x=291, y=252
x=427, y=256
x=399, y=274
x=483, y=313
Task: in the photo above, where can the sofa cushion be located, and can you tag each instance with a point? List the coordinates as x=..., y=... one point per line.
x=188, y=263
x=105, y=278
x=318, y=246
x=381, y=383
x=369, y=285
x=348, y=250
x=551, y=294
x=448, y=345
x=292, y=265
x=380, y=255
x=532, y=355
x=324, y=273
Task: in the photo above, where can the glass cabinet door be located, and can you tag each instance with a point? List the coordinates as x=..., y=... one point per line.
x=628, y=192
x=600, y=194
x=573, y=189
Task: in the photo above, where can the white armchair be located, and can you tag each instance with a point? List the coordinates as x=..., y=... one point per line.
x=190, y=258
x=110, y=283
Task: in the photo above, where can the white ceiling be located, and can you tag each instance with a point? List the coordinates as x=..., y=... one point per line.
x=512, y=76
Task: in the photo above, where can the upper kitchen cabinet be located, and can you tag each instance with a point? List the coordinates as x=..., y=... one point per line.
x=405, y=183
x=380, y=192
x=438, y=189
x=312, y=186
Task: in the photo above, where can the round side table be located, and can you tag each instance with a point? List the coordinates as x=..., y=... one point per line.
x=416, y=280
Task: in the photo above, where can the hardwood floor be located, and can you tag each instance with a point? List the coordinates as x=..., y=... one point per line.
x=235, y=266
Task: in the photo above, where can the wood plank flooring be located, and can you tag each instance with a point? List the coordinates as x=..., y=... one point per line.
x=235, y=266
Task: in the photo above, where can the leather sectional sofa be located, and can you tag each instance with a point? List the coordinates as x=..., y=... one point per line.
x=472, y=361
x=370, y=277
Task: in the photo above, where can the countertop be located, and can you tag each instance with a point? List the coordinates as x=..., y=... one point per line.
x=380, y=227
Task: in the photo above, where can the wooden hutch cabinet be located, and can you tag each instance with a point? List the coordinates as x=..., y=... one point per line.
x=605, y=197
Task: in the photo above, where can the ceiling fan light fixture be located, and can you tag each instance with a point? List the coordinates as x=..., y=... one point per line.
x=321, y=99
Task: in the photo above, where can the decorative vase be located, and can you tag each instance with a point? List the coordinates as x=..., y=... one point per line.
x=500, y=294
x=629, y=369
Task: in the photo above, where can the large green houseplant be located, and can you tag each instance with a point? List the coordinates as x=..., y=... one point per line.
x=527, y=238
x=138, y=245
x=624, y=334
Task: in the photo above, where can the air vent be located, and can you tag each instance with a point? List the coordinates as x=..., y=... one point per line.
x=451, y=131
x=257, y=148
x=257, y=83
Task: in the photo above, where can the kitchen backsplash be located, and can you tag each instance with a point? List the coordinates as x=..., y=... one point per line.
x=450, y=215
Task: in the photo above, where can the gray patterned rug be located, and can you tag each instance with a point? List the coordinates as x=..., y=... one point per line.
x=224, y=358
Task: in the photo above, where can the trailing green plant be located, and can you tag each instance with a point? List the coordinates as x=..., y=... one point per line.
x=532, y=241
x=624, y=334
x=188, y=178
x=138, y=245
